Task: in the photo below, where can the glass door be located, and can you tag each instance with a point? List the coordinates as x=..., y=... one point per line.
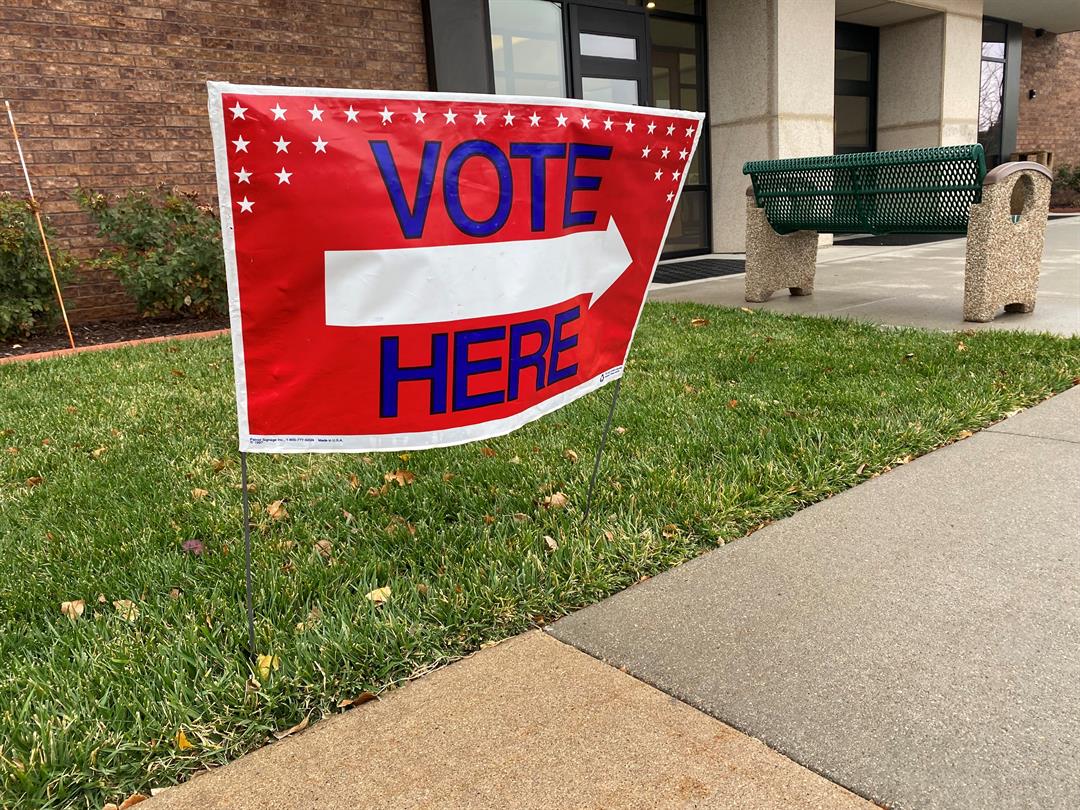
x=855, y=89
x=609, y=54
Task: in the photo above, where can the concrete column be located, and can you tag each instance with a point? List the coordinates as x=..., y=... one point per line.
x=770, y=95
x=928, y=80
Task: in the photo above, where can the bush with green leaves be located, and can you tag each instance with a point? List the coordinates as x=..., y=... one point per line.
x=1066, y=190
x=167, y=250
x=27, y=295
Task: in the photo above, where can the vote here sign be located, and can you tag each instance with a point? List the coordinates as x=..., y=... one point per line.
x=412, y=270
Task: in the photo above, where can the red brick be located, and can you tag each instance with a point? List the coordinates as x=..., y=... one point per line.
x=1050, y=65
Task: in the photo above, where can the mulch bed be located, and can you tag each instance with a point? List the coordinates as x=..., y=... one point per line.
x=104, y=332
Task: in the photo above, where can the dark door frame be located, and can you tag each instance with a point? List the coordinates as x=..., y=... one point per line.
x=863, y=38
x=621, y=21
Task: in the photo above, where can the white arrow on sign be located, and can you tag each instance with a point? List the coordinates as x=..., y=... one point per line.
x=458, y=282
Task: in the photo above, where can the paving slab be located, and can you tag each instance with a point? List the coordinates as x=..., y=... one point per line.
x=915, y=639
x=921, y=285
x=530, y=723
x=1057, y=418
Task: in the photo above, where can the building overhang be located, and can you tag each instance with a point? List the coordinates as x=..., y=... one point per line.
x=1058, y=16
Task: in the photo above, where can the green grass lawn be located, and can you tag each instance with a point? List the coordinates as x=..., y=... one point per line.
x=113, y=460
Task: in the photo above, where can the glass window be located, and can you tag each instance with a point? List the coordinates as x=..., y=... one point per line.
x=991, y=104
x=851, y=121
x=621, y=91
x=854, y=65
x=608, y=47
x=688, y=225
x=527, y=47
x=675, y=65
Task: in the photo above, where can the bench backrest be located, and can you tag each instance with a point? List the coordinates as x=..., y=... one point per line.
x=906, y=191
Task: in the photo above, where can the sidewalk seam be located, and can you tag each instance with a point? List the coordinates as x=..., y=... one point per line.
x=994, y=429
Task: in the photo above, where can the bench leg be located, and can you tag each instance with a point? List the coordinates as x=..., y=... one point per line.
x=774, y=261
x=1003, y=257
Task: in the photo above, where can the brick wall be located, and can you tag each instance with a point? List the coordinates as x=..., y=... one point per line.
x=1050, y=65
x=112, y=95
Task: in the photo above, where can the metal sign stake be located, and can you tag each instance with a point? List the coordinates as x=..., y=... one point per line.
x=600, y=449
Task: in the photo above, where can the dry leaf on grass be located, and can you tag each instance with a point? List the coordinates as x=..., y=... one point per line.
x=570, y=455
x=198, y=493
x=73, y=609
x=325, y=548
x=960, y=347
x=127, y=609
x=489, y=519
x=620, y=430
x=34, y=480
x=98, y=452
x=277, y=510
x=265, y=664
x=747, y=310
x=182, y=742
x=375, y=492
x=379, y=595
x=699, y=321
x=964, y=434
x=447, y=476
x=520, y=517
x=281, y=735
x=399, y=477
x=733, y=403
x=360, y=699
x=556, y=500
x=550, y=542
x=670, y=530
x=354, y=481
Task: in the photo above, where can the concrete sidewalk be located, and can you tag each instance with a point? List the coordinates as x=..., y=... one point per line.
x=910, y=286
x=915, y=639
x=530, y=723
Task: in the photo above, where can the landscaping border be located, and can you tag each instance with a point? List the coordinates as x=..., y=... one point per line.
x=95, y=347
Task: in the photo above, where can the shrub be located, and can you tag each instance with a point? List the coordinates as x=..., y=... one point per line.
x=1066, y=189
x=27, y=297
x=167, y=250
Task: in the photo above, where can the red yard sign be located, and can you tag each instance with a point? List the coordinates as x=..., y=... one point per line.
x=413, y=270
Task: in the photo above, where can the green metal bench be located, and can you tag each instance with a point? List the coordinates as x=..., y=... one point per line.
x=934, y=190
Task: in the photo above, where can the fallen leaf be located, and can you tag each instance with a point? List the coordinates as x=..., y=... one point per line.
x=689, y=389
x=132, y=800
x=193, y=546
x=324, y=547
x=379, y=595
x=960, y=347
x=571, y=455
x=127, y=609
x=747, y=310
x=101, y=599
x=286, y=545
x=963, y=434
x=489, y=519
x=670, y=530
x=312, y=619
x=422, y=589
x=98, y=452
x=219, y=464
x=109, y=806
x=487, y=451
x=404, y=456
x=198, y=493
x=515, y=460
x=174, y=593
x=375, y=492
x=620, y=430
x=360, y=699
x=398, y=522
x=733, y=403
x=277, y=510
x=73, y=609
x=400, y=477
x=550, y=542
x=178, y=373
x=265, y=664
x=182, y=742
x=447, y=476
x=859, y=471
x=46, y=442
x=519, y=516
x=71, y=409
x=556, y=500
x=13, y=451
x=699, y=321
x=354, y=480
x=34, y=480
x=281, y=735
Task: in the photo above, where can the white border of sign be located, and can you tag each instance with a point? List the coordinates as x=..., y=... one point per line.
x=393, y=441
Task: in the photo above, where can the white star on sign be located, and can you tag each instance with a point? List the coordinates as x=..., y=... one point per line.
x=607, y=123
x=658, y=175
x=480, y=117
x=351, y=114
x=240, y=144
x=281, y=144
x=665, y=153
x=238, y=111
x=243, y=175
x=689, y=131
x=283, y=176
x=279, y=112
x=670, y=196
x=682, y=154
x=585, y=121
x=675, y=175
x=387, y=116
x=645, y=152
x=561, y=119
x=509, y=118
x=320, y=145
x=670, y=129
x=316, y=113
x=418, y=116
x=450, y=116
x=534, y=119
x=652, y=126
x=245, y=205
x=629, y=126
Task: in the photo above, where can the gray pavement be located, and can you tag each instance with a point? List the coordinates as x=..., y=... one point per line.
x=911, y=286
x=915, y=639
